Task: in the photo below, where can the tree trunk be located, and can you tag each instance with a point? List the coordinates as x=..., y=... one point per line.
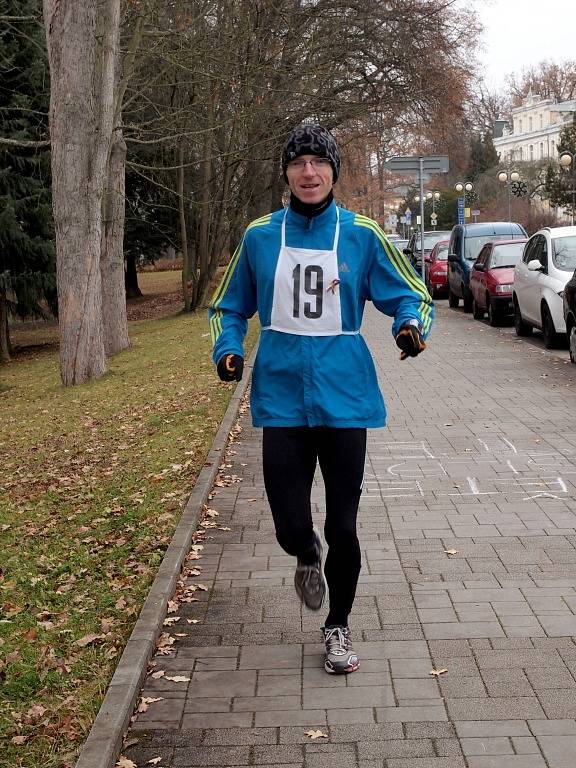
x=187, y=279
x=4, y=333
x=131, y=278
x=82, y=41
x=114, y=320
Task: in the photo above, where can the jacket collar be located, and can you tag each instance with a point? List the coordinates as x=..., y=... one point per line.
x=329, y=214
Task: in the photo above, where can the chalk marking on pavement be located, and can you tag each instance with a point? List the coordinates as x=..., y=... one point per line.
x=473, y=483
x=510, y=444
x=511, y=467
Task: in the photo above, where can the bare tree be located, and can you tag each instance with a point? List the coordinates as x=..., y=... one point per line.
x=549, y=79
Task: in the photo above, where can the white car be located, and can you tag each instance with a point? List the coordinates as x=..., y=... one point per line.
x=548, y=262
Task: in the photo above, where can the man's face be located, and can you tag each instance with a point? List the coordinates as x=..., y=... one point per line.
x=310, y=178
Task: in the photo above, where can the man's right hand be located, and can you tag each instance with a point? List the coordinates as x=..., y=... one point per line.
x=230, y=367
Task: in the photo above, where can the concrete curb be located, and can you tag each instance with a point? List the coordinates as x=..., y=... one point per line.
x=104, y=743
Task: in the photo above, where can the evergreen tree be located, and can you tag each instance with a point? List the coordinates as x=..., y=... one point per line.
x=559, y=183
x=27, y=259
x=491, y=158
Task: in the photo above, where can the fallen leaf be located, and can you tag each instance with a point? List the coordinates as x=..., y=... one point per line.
x=158, y=675
x=19, y=740
x=154, y=761
x=178, y=679
x=192, y=621
x=316, y=734
x=451, y=551
x=437, y=672
x=87, y=640
x=124, y=762
x=169, y=620
x=145, y=702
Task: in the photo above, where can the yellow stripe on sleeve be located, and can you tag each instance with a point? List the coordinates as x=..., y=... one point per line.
x=230, y=269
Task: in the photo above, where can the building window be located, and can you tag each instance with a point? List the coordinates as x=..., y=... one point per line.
x=531, y=152
x=519, y=126
x=541, y=150
x=541, y=121
x=553, y=145
x=530, y=124
x=520, y=153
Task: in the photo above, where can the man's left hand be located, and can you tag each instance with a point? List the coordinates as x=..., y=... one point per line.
x=409, y=339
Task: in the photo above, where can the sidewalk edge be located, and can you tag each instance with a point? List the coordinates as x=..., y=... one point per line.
x=104, y=742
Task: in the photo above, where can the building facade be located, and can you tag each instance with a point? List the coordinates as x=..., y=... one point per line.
x=535, y=130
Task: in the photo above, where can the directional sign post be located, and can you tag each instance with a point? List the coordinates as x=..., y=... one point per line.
x=419, y=165
x=461, y=210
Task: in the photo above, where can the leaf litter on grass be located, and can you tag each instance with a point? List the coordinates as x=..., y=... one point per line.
x=93, y=483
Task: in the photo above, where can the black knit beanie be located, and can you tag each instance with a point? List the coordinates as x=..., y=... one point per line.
x=311, y=140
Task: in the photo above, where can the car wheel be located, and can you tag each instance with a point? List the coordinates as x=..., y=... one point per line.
x=522, y=328
x=477, y=312
x=467, y=298
x=493, y=315
x=548, y=330
x=572, y=344
x=453, y=300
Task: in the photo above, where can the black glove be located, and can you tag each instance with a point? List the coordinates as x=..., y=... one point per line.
x=409, y=340
x=230, y=367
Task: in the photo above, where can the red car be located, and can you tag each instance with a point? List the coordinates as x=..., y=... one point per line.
x=492, y=277
x=436, y=269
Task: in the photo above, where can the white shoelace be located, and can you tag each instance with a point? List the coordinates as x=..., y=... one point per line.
x=336, y=641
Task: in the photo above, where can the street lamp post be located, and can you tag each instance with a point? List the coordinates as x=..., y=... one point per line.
x=463, y=188
x=433, y=197
x=567, y=161
x=508, y=178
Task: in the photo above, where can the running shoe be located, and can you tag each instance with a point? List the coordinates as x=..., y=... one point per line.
x=309, y=580
x=340, y=658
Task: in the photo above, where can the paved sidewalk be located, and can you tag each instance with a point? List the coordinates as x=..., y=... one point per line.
x=468, y=532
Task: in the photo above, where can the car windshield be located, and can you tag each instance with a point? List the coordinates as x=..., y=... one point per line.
x=564, y=253
x=473, y=245
x=442, y=253
x=506, y=255
x=430, y=240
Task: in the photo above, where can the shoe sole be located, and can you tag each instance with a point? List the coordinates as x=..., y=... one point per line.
x=324, y=582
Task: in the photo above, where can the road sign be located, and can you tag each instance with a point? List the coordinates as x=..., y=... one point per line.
x=411, y=164
x=460, y=210
x=433, y=218
x=408, y=214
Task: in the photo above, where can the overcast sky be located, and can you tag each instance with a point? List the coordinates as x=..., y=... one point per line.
x=519, y=33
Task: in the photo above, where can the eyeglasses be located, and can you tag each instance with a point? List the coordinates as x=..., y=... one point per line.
x=316, y=163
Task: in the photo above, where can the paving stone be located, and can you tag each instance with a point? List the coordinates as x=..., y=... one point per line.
x=507, y=761
x=487, y=746
x=558, y=704
x=369, y=750
x=197, y=756
x=521, y=707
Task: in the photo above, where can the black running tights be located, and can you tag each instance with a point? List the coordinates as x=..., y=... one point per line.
x=289, y=461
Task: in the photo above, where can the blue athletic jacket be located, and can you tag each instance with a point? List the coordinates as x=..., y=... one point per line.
x=315, y=380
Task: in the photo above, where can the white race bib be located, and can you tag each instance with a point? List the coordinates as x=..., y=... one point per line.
x=306, y=292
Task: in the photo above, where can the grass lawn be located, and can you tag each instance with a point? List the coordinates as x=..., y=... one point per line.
x=92, y=482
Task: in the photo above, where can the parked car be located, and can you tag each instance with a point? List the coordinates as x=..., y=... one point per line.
x=400, y=243
x=492, y=277
x=466, y=242
x=547, y=264
x=569, y=310
x=436, y=270
x=413, y=249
